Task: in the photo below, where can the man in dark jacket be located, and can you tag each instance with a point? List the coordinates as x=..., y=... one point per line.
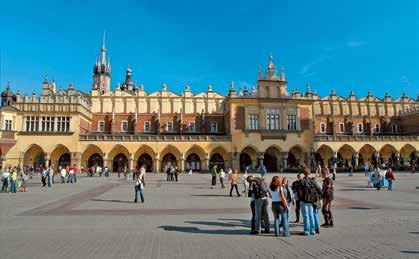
x=327, y=194
x=259, y=204
x=296, y=188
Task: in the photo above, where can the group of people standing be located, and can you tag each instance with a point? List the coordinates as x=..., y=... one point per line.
x=172, y=173
x=305, y=194
x=14, y=180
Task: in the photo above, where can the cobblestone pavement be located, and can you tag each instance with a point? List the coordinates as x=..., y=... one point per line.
x=96, y=218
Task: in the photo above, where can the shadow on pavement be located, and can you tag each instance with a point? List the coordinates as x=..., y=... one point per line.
x=112, y=201
x=214, y=223
x=409, y=252
x=211, y=195
x=195, y=230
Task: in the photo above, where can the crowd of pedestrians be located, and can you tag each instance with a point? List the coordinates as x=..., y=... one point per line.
x=172, y=173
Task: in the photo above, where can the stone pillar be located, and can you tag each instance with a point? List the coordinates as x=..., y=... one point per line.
x=157, y=163
x=261, y=156
x=206, y=162
x=47, y=159
x=130, y=161
x=3, y=161
x=285, y=160
x=182, y=162
x=235, y=163
x=356, y=158
x=377, y=157
x=397, y=160
x=21, y=160
x=105, y=159
x=75, y=159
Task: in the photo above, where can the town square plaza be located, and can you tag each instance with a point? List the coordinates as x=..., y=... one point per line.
x=97, y=218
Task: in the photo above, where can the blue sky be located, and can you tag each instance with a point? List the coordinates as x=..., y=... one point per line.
x=358, y=45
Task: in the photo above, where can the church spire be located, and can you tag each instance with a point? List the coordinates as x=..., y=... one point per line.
x=103, y=51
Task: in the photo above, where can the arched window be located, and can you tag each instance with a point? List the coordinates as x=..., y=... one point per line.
x=193, y=162
x=217, y=160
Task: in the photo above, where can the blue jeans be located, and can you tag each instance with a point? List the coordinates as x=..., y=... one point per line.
x=308, y=218
x=316, y=218
x=277, y=221
x=62, y=179
x=261, y=213
x=75, y=178
x=390, y=185
x=49, y=181
x=13, y=186
x=139, y=190
x=278, y=209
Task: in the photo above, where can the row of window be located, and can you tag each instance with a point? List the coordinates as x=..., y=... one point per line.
x=272, y=121
x=47, y=123
x=168, y=128
x=360, y=128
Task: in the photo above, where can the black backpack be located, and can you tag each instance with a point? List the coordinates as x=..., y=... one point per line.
x=311, y=193
x=259, y=189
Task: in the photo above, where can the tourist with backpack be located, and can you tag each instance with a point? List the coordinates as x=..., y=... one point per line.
x=327, y=193
x=258, y=191
x=309, y=194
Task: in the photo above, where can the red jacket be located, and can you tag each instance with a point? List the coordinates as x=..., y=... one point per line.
x=390, y=176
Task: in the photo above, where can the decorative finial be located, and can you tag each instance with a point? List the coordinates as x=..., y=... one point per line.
x=387, y=95
x=209, y=88
x=71, y=86
x=141, y=87
x=369, y=93
x=45, y=79
x=187, y=88
x=164, y=87
x=333, y=92
x=103, y=41
x=232, y=86
x=351, y=93
x=8, y=85
x=308, y=90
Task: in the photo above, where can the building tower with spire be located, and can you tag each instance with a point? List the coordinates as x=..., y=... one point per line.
x=102, y=71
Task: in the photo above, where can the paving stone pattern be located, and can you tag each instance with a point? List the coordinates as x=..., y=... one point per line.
x=96, y=218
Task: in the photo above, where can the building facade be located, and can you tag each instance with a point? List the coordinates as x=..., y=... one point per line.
x=268, y=125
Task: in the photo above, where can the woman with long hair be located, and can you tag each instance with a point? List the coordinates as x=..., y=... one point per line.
x=279, y=206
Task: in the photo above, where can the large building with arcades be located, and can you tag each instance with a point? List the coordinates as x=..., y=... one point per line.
x=268, y=124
